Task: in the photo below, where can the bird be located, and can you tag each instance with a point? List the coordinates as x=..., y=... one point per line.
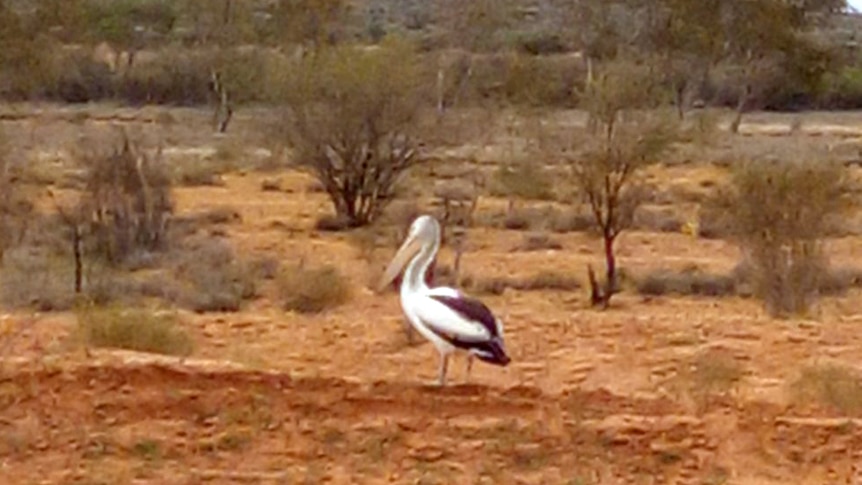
x=446, y=317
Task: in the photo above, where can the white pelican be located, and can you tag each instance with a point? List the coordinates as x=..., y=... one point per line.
x=450, y=320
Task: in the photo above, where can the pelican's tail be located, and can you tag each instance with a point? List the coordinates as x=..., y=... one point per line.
x=492, y=352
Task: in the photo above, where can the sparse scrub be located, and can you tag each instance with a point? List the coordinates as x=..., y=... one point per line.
x=539, y=241
x=16, y=206
x=781, y=213
x=519, y=219
x=620, y=143
x=217, y=280
x=128, y=199
x=139, y=329
x=686, y=282
x=312, y=290
x=832, y=385
x=656, y=219
x=33, y=278
x=547, y=280
x=541, y=281
x=522, y=179
x=198, y=173
x=570, y=220
x=351, y=123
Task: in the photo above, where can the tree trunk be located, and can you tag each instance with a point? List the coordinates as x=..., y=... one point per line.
x=610, y=271
x=76, y=253
x=679, y=100
x=741, y=106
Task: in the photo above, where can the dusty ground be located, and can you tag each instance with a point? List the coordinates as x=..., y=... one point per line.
x=637, y=394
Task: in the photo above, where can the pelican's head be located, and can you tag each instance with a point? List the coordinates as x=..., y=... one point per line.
x=424, y=231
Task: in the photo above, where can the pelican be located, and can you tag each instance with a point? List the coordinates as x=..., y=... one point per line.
x=450, y=320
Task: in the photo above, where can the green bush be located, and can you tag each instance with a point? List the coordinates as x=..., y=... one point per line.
x=134, y=329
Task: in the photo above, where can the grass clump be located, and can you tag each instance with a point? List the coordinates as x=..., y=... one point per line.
x=137, y=329
x=687, y=282
x=832, y=385
x=539, y=241
x=216, y=280
x=312, y=290
x=547, y=280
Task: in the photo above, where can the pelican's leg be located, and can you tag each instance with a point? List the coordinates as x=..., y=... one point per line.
x=469, y=365
x=444, y=364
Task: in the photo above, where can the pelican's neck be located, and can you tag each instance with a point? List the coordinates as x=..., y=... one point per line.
x=414, y=275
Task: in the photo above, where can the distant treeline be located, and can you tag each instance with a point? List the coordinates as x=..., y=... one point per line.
x=163, y=52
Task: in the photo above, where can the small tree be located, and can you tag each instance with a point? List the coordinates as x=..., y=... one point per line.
x=620, y=142
x=350, y=122
x=780, y=212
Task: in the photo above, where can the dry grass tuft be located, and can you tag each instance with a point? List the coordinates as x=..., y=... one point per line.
x=312, y=290
x=538, y=242
x=831, y=385
x=137, y=329
x=715, y=371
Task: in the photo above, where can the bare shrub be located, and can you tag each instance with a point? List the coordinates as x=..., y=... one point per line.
x=312, y=290
x=126, y=201
x=351, y=122
x=137, y=329
x=781, y=212
x=838, y=387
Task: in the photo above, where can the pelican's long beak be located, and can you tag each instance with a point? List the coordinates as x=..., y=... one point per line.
x=407, y=250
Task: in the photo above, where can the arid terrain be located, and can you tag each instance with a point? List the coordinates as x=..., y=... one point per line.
x=656, y=389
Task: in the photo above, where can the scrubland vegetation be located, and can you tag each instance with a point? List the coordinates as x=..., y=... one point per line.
x=573, y=170
x=360, y=101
